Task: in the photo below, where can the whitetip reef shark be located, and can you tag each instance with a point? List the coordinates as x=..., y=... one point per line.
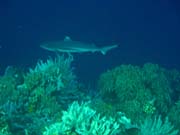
x=70, y=46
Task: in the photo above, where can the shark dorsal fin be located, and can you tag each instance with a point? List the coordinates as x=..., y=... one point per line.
x=67, y=38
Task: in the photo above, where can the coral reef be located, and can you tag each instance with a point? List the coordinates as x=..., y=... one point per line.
x=80, y=119
x=131, y=100
x=39, y=98
x=137, y=91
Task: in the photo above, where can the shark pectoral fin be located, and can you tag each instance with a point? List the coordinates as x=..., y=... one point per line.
x=105, y=49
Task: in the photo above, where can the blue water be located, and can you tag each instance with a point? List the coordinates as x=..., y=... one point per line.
x=146, y=31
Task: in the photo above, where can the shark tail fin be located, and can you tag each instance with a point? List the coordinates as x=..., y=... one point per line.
x=105, y=49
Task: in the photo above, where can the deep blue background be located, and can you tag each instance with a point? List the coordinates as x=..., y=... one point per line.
x=146, y=30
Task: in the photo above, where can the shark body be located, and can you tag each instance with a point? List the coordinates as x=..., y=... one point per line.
x=70, y=46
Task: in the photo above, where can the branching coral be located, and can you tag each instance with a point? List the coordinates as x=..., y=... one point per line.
x=57, y=72
x=82, y=120
x=156, y=126
x=53, y=78
x=174, y=114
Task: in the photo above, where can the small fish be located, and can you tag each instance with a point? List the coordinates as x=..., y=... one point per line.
x=70, y=46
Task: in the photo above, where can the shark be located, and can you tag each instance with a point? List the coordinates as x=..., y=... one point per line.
x=70, y=46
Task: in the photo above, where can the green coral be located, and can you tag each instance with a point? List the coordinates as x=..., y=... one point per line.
x=104, y=108
x=137, y=91
x=7, y=85
x=82, y=120
x=174, y=114
x=34, y=100
x=157, y=126
x=57, y=73
x=46, y=78
x=149, y=108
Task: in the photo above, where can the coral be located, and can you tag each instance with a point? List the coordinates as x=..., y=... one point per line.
x=82, y=120
x=149, y=108
x=137, y=91
x=174, y=114
x=49, y=79
x=54, y=129
x=174, y=79
x=157, y=81
x=8, y=83
x=30, y=101
x=157, y=127
x=57, y=72
x=123, y=82
x=104, y=108
x=35, y=100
